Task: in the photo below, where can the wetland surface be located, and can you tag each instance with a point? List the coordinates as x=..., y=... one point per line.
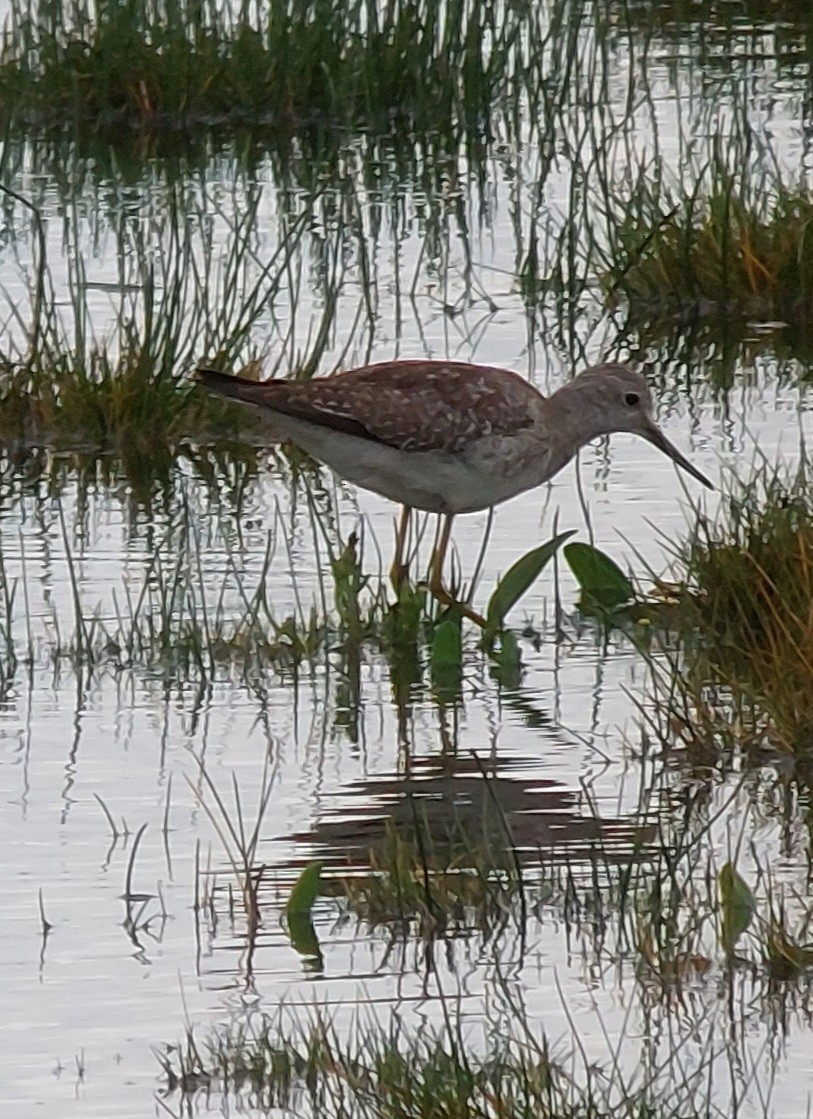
x=175, y=622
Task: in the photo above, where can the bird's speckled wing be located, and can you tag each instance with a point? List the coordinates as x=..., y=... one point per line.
x=409, y=405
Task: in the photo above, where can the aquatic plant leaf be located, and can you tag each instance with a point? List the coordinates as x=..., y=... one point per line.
x=446, y=661
x=738, y=906
x=447, y=646
x=518, y=578
x=305, y=890
x=507, y=661
x=603, y=584
x=303, y=936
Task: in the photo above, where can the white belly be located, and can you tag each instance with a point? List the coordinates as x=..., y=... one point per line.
x=427, y=480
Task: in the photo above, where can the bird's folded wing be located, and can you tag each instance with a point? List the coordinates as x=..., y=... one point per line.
x=410, y=405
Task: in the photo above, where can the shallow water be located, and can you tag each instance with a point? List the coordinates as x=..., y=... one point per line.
x=84, y=1006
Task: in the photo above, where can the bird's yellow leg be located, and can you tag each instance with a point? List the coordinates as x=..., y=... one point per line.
x=436, y=587
x=398, y=571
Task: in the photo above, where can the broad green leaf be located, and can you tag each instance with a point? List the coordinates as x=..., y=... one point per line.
x=738, y=906
x=603, y=584
x=305, y=890
x=447, y=646
x=446, y=660
x=303, y=936
x=518, y=579
x=507, y=662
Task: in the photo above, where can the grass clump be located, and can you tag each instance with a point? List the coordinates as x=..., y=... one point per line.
x=425, y=888
x=787, y=953
x=126, y=406
x=133, y=416
x=383, y=1072
x=290, y=63
x=745, y=682
x=733, y=254
x=93, y=378
x=754, y=571
x=377, y=1074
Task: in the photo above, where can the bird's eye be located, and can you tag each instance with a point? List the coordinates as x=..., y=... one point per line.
x=632, y=398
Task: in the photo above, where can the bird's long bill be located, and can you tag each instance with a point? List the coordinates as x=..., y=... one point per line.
x=655, y=436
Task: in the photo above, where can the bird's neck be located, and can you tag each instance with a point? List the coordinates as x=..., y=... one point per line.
x=574, y=418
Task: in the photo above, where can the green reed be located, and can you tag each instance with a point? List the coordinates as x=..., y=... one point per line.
x=287, y=65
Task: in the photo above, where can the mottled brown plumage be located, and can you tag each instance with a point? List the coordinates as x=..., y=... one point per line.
x=409, y=405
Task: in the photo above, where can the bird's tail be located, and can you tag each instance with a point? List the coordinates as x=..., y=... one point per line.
x=225, y=384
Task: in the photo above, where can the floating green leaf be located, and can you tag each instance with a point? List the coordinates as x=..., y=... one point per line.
x=517, y=579
x=305, y=890
x=738, y=906
x=603, y=584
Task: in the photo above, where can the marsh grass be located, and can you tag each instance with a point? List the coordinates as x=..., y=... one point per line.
x=630, y=902
x=171, y=625
x=420, y=886
x=382, y=1070
x=288, y=65
x=723, y=17
x=125, y=408
x=102, y=370
x=785, y=941
x=196, y=609
x=239, y=837
x=377, y=1073
x=728, y=252
x=746, y=679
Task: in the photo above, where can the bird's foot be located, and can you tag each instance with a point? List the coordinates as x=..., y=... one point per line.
x=446, y=598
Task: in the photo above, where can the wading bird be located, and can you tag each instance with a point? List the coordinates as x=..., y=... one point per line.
x=448, y=437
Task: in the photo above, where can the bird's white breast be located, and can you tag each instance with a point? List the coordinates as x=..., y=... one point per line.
x=485, y=473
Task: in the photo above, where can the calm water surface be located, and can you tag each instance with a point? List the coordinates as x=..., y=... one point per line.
x=83, y=1008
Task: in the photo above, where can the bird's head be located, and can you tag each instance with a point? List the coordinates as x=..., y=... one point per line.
x=617, y=398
